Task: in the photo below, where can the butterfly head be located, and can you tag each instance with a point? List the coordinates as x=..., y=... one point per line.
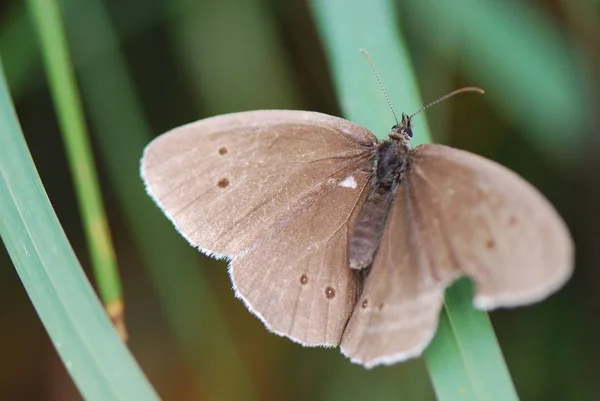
x=402, y=131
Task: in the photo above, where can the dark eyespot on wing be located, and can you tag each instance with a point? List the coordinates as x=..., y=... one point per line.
x=222, y=150
x=223, y=183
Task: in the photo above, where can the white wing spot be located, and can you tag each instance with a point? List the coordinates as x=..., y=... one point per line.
x=348, y=182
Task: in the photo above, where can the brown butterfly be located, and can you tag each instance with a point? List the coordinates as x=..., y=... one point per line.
x=336, y=238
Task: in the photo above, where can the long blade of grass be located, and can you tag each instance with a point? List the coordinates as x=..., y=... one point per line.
x=52, y=37
x=464, y=359
x=484, y=366
x=96, y=359
x=122, y=130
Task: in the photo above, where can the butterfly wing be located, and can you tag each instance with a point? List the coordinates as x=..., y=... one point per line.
x=297, y=279
x=396, y=314
x=498, y=229
x=455, y=214
x=247, y=186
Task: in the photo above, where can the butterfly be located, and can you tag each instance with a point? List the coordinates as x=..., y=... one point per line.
x=335, y=238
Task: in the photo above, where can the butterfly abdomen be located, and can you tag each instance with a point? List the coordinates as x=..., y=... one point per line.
x=373, y=215
x=368, y=229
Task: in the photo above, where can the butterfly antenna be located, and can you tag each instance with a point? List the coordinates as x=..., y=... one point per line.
x=387, y=98
x=456, y=92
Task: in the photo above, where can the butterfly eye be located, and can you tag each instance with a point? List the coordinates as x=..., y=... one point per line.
x=395, y=127
x=407, y=132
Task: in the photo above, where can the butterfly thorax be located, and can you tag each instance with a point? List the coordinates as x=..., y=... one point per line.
x=391, y=158
x=389, y=163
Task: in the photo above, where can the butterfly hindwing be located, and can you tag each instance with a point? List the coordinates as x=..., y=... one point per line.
x=297, y=278
x=396, y=314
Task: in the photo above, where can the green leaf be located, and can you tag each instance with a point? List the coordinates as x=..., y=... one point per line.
x=57, y=61
x=121, y=132
x=466, y=338
x=96, y=359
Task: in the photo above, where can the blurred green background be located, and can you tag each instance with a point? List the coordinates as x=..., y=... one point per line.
x=145, y=67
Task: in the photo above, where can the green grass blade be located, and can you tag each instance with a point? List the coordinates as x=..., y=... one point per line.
x=476, y=345
x=52, y=37
x=100, y=364
x=344, y=29
x=458, y=367
x=122, y=131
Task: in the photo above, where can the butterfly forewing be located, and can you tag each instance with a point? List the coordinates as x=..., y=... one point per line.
x=493, y=225
x=297, y=278
x=225, y=180
x=277, y=192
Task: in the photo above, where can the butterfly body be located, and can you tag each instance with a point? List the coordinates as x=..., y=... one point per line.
x=299, y=202
x=390, y=158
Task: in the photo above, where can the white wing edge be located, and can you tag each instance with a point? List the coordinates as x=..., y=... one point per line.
x=414, y=352
x=512, y=300
x=248, y=306
x=207, y=252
